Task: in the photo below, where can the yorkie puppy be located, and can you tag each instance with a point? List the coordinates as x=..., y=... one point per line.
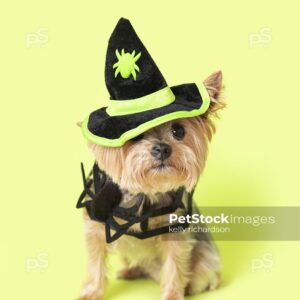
x=167, y=157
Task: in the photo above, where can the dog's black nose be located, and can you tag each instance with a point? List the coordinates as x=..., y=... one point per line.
x=161, y=151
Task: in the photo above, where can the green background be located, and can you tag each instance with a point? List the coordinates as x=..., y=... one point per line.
x=52, y=67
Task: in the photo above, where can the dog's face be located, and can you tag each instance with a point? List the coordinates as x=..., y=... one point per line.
x=166, y=157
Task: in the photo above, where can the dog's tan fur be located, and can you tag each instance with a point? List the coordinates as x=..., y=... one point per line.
x=179, y=262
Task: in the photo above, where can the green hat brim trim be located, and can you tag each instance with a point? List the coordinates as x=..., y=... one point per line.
x=130, y=134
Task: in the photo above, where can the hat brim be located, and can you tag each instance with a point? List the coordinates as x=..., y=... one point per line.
x=114, y=131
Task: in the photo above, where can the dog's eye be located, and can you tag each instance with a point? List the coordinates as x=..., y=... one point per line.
x=178, y=131
x=137, y=138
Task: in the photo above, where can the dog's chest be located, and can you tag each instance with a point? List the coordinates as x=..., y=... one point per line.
x=142, y=251
x=138, y=252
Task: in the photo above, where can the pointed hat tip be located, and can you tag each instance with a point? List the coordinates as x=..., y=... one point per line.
x=123, y=20
x=122, y=28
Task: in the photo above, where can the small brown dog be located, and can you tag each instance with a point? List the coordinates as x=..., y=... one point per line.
x=181, y=262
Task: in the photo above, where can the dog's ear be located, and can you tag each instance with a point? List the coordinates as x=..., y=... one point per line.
x=214, y=86
x=79, y=124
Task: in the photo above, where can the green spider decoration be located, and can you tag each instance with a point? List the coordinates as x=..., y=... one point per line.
x=126, y=64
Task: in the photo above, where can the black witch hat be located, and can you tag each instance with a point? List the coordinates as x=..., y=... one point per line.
x=140, y=98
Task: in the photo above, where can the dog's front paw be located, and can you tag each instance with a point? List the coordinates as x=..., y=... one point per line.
x=91, y=292
x=172, y=294
x=206, y=281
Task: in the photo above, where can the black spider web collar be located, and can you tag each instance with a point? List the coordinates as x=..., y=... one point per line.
x=106, y=211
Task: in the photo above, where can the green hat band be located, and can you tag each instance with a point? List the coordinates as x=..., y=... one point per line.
x=157, y=99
